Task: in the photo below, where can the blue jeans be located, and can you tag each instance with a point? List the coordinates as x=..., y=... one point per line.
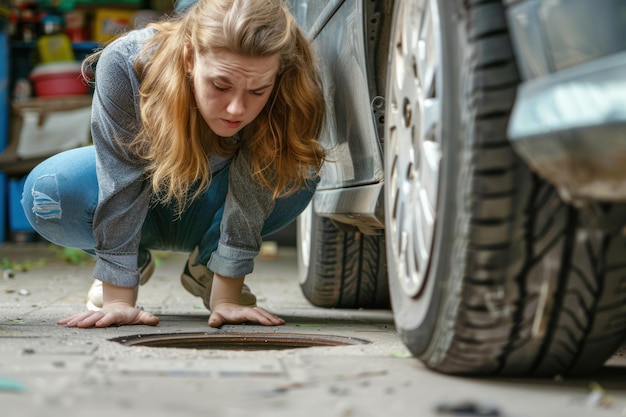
x=67, y=184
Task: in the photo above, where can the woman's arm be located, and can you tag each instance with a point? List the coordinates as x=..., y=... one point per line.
x=124, y=194
x=246, y=208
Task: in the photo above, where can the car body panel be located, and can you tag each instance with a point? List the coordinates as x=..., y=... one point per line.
x=350, y=190
x=571, y=129
x=349, y=134
x=552, y=35
x=569, y=119
x=567, y=123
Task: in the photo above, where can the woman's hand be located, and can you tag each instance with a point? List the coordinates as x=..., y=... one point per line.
x=225, y=306
x=112, y=313
x=118, y=308
x=234, y=313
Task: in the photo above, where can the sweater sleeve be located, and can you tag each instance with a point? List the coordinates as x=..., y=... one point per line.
x=247, y=206
x=124, y=195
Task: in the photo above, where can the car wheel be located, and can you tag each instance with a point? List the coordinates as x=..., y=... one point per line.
x=341, y=269
x=489, y=271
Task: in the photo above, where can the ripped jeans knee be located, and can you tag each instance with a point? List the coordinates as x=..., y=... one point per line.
x=59, y=198
x=45, y=198
x=42, y=205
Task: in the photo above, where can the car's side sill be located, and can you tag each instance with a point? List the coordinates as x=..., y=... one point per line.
x=361, y=207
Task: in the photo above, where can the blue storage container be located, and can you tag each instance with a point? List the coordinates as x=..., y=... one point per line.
x=3, y=207
x=4, y=90
x=4, y=126
x=17, y=218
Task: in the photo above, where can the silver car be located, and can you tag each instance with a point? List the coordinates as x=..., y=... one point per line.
x=477, y=178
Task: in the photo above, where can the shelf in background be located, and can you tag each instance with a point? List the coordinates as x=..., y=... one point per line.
x=87, y=46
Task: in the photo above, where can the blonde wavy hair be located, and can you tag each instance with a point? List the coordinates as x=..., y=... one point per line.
x=175, y=140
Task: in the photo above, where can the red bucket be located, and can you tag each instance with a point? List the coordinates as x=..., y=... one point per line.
x=58, y=79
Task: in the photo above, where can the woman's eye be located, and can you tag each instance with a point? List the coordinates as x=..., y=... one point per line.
x=220, y=88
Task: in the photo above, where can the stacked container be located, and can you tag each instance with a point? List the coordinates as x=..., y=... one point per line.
x=4, y=126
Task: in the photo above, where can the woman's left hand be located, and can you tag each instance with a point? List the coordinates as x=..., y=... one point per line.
x=232, y=313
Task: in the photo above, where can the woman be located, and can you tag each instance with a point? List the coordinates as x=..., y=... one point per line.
x=205, y=134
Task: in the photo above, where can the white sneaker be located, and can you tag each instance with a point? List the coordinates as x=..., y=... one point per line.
x=95, y=298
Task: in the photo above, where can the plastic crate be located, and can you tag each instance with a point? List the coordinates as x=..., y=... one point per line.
x=3, y=207
x=109, y=23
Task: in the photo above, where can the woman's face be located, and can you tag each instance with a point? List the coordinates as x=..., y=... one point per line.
x=230, y=89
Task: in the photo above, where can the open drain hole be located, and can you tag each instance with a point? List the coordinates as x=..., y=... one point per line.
x=236, y=341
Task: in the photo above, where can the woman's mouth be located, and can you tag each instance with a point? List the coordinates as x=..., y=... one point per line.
x=233, y=124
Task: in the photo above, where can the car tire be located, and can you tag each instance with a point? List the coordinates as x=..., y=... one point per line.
x=490, y=272
x=339, y=268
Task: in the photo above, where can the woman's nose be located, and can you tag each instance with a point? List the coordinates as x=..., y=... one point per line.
x=237, y=106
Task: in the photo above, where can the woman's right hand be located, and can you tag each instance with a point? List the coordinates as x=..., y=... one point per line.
x=113, y=313
x=118, y=309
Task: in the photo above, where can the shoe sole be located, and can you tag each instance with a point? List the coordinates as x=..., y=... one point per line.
x=192, y=285
x=146, y=274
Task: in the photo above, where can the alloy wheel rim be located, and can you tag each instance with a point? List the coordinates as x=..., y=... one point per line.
x=413, y=141
x=304, y=224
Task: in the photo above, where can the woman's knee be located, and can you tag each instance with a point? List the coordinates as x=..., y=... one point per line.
x=40, y=198
x=59, y=191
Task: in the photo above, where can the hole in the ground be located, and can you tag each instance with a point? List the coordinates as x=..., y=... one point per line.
x=236, y=341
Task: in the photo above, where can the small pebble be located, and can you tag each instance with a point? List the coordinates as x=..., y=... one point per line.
x=8, y=273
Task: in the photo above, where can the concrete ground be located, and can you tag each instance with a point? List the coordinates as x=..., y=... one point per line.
x=49, y=370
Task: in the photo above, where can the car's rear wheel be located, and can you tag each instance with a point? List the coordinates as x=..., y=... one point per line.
x=490, y=272
x=340, y=268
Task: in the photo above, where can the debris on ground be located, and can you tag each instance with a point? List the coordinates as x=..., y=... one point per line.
x=401, y=355
x=344, y=409
x=8, y=273
x=159, y=256
x=282, y=388
x=70, y=255
x=598, y=397
x=9, y=268
x=269, y=250
x=468, y=408
x=11, y=385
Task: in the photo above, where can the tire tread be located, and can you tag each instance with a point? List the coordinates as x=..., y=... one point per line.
x=521, y=238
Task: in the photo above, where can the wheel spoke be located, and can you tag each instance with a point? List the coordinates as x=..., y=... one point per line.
x=304, y=224
x=413, y=142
